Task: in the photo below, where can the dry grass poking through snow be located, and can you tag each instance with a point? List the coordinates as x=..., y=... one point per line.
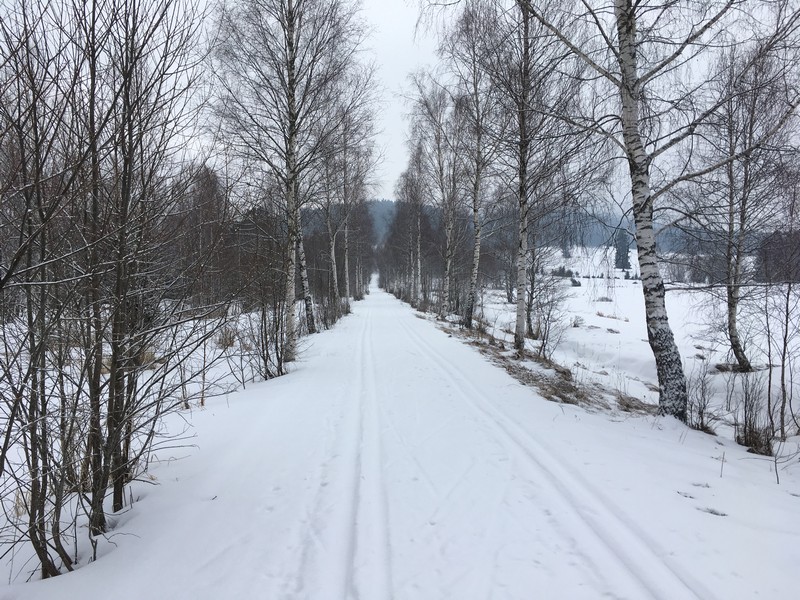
x=553, y=381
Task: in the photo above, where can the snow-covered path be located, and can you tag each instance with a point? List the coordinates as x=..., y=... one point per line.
x=396, y=463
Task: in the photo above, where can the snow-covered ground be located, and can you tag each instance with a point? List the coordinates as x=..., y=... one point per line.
x=395, y=462
x=601, y=334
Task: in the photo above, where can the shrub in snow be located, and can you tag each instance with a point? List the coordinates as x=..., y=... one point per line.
x=699, y=416
x=753, y=431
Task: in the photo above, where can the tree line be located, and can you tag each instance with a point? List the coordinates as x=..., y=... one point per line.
x=181, y=185
x=680, y=115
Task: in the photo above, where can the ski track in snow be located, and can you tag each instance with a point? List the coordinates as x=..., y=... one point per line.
x=347, y=549
x=628, y=549
x=393, y=464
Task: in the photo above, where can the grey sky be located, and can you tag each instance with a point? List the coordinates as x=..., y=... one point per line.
x=397, y=53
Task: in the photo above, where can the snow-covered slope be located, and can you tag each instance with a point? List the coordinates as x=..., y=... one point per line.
x=396, y=463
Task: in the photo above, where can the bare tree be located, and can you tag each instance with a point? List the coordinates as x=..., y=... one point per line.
x=411, y=191
x=100, y=94
x=651, y=57
x=463, y=49
x=439, y=127
x=277, y=64
x=344, y=170
x=536, y=82
x=778, y=271
x=729, y=207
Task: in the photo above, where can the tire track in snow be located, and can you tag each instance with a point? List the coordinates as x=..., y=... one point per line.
x=634, y=554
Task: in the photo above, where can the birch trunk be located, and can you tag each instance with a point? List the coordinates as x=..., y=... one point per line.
x=732, y=294
x=448, y=266
x=418, y=280
x=334, y=275
x=522, y=258
x=734, y=267
x=290, y=348
x=671, y=378
x=523, y=150
x=735, y=242
x=359, y=278
x=307, y=301
x=346, y=265
x=472, y=298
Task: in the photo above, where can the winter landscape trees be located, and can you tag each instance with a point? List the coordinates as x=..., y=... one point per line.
x=696, y=104
x=97, y=98
x=280, y=67
x=131, y=262
x=179, y=182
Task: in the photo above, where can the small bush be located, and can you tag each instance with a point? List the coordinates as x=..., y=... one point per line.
x=699, y=415
x=758, y=441
x=754, y=432
x=480, y=326
x=226, y=338
x=146, y=357
x=575, y=282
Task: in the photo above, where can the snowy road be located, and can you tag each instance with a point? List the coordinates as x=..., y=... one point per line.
x=396, y=463
x=441, y=495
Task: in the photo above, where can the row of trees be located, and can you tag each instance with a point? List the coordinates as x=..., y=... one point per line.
x=684, y=113
x=130, y=260
x=93, y=96
x=295, y=102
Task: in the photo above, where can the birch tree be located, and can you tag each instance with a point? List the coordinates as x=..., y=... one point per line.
x=277, y=65
x=439, y=128
x=411, y=191
x=731, y=207
x=535, y=81
x=344, y=170
x=463, y=49
x=653, y=58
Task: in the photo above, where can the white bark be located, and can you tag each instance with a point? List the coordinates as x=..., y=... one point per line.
x=332, y=256
x=521, y=284
x=476, y=256
x=307, y=300
x=290, y=327
x=291, y=183
x=523, y=157
x=448, y=264
x=418, y=275
x=347, y=264
x=671, y=378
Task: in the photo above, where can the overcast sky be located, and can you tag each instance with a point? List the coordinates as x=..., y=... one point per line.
x=397, y=53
